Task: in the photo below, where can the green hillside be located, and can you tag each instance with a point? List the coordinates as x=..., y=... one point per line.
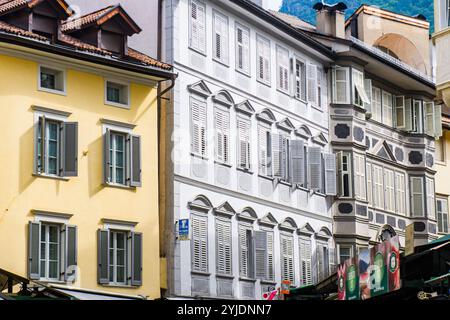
x=303, y=8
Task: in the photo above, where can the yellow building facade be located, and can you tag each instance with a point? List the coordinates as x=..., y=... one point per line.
x=79, y=176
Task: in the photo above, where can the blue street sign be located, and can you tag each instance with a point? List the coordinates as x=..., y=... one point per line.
x=183, y=229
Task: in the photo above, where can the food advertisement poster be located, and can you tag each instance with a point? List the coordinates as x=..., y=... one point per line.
x=341, y=275
x=352, y=283
x=364, y=274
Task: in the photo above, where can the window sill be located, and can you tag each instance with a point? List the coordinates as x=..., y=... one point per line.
x=199, y=156
x=200, y=273
x=302, y=188
x=317, y=108
x=118, y=186
x=124, y=286
x=222, y=164
x=224, y=276
x=117, y=104
x=285, y=183
x=49, y=281
x=267, y=84
x=198, y=51
x=247, y=74
x=244, y=170
x=319, y=194
x=286, y=93
x=53, y=91
x=225, y=64
x=266, y=177
x=47, y=176
x=247, y=279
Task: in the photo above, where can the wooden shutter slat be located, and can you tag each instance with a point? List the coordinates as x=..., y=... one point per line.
x=70, y=149
x=103, y=256
x=136, y=258
x=136, y=163
x=71, y=262
x=34, y=238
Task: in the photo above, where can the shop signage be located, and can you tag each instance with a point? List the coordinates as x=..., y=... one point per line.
x=285, y=284
x=409, y=239
x=183, y=229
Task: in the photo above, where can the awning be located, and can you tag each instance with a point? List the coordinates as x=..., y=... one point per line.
x=87, y=294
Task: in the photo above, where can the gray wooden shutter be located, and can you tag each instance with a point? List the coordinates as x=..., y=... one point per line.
x=408, y=115
x=41, y=168
x=330, y=174
x=34, y=237
x=70, y=147
x=135, y=161
x=103, y=256
x=71, y=253
x=136, y=259
x=284, y=158
x=297, y=162
x=437, y=121
x=315, y=168
x=368, y=90
x=106, y=159
x=261, y=267
x=276, y=155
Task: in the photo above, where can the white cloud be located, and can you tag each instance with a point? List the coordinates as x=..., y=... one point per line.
x=272, y=4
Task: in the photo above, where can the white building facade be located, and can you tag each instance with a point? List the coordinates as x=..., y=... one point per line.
x=249, y=163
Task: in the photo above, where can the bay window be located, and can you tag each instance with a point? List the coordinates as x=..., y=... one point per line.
x=360, y=97
x=417, y=196
x=400, y=193
x=344, y=174
x=387, y=108
x=341, y=85
x=376, y=104
x=378, y=192
x=389, y=190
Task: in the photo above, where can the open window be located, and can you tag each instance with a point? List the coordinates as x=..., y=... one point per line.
x=360, y=97
x=341, y=85
x=344, y=174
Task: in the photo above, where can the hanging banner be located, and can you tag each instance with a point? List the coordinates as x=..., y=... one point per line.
x=378, y=274
x=394, y=263
x=364, y=274
x=352, y=283
x=341, y=275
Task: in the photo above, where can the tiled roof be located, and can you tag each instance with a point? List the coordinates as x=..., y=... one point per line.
x=143, y=58
x=20, y=32
x=293, y=20
x=82, y=21
x=8, y=5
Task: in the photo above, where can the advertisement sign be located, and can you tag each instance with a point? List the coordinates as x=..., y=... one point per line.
x=352, y=283
x=285, y=285
x=364, y=274
x=183, y=229
x=394, y=263
x=378, y=274
x=341, y=275
x=409, y=239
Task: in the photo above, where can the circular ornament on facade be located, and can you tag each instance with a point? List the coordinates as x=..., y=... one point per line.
x=342, y=131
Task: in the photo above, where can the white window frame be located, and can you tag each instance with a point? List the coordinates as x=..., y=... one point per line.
x=46, y=259
x=203, y=103
x=344, y=246
x=225, y=39
x=378, y=187
x=204, y=218
x=287, y=237
x=346, y=83
x=300, y=81
x=113, y=264
x=358, y=92
x=249, y=247
x=369, y=183
x=268, y=148
x=267, y=73
x=442, y=215
x=345, y=171
x=389, y=189
x=400, y=193
x=113, y=103
x=431, y=202
x=244, y=29
x=359, y=168
x=283, y=66
x=376, y=106
x=224, y=131
x=53, y=68
x=422, y=196
x=228, y=269
x=387, y=108
x=247, y=138
x=400, y=108
x=191, y=46
x=305, y=279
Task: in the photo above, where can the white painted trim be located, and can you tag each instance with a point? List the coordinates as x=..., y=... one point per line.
x=55, y=68
x=116, y=104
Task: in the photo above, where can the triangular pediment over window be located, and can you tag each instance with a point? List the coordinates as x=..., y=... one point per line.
x=324, y=233
x=385, y=152
x=285, y=124
x=247, y=214
x=306, y=230
x=288, y=224
x=268, y=220
x=200, y=88
x=245, y=107
x=267, y=116
x=304, y=132
x=225, y=209
x=223, y=97
x=320, y=139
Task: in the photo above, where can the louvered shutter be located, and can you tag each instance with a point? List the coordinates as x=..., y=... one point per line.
x=332, y=260
x=262, y=147
x=287, y=258
x=39, y=146
x=437, y=121
x=103, y=256
x=199, y=244
x=106, y=156
x=431, y=209
x=71, y=239
x=297, y=162
x=369, y=184
x=220, y=38
x=267, y=62
x=284, y=158
x=135, y=161
x=314, y=168
x=34, y=240
x=263, y=60
x=305, y=261
x=330, y=174
x=244, y=151
x=261, y=256
x=283, y=69
x=70, y=149
x=136, y=258
x=243, y=49
x=400, y=112
x=311, y=71
x=341, y=84
x=408, y=115
x=198, y=30
x=368, y=90
x=417, y=195
x=277, y=142
x=198, y=127
x=222, y=124
x=429, y=115
x=243, y=252
x=270, y=258
x=223, y=249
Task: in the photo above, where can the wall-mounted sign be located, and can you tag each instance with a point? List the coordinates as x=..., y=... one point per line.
x=285, y=285
x=409, y=239
x=183, y=229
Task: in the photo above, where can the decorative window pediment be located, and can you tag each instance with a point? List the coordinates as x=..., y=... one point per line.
x=385, y=152
x=267, y=116
x=268, y=220
x=288, y=225
x=285, y=124
x=304, y=132
x=324, y=233
x=200, y=88
x=306, y=230
x=225, y=209
x=320, y=139
x=200, y=203
x=248, y=214
x=223, y=97
x=245, y=107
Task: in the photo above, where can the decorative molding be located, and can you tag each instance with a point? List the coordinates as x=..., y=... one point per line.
x=52, y=111
x=200, y=88
x=118, y=123
x=245, y=107
x=304, y=132
x=224, y=209
x=268, y=220
x=288, y=225
x=247, y=214
x=224, y=98
x=285, y=124
x=306, y=230
x=320, y=139
x=324, y=233
x=50, y=214
x=119, y=222
x=267, y=116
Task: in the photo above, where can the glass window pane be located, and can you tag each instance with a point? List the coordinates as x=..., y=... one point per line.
x=120, y=274
x=53, y=234
x=53, y=269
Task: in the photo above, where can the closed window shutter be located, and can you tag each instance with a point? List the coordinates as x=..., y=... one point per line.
x=135, y=161
x=429, y=115
x=261, y=255
x=287, y=258
x=270, y=258
x=70, y=149
x=277, y=142
x=369, y=184
x=198, y=30
x=220, y=38
x=376, y=104
x=263, y=49
x=378, y=187
x=39, y=146
x=222, y=124
x=199, y=244
x=71, y=235
x=417, y=196
x=297, y=162
x=106, y=156
x=283, y=69
x=400, y=122
x=368, y=90
x=263, y=150
x=311, y=71
x=360, y=180
x=243, y=49
x=34, y=238
x=136, y=258
x=305, y=261
x=390, y=190
x=103, y=256
x=260, y=53
x=408, y=115
x=400, y=193
x=244, y=151
x=437, y=121
x=315, y=168
x=243, y=250
x=285, y=158
x=330, y=174
x=198, y=127
x=223, y=249
x=332, y=260
x=387, y=108
x=431, y=209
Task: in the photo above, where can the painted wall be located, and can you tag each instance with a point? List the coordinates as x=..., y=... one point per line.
x=443, y=169
x=83, y=196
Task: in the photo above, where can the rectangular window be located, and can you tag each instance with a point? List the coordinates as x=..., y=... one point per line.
x=246, y=249
x=198, y=127
x=49, y=146
x=222, y=133
x=197, y=26
x=400, y=190
x=360, y=177
x=345, y=252
x=387, y=108
x=243, y=142
x=440, y=150
x=376, y=104
x=433, y=119
x=300, y=80
x=359, y=93
x=52, y=80
x=311, y=73
x=442, y=215
x=321, y=86
x=242, y=49
x=417, y=116
x=369, y=184
x=117, y=156
x=263, y=59
x=117, y=257
x=417, y=196
x=341, y=85
x=223, y=247
x=270, y=256
x=431, y=210
x=280, y=156
x=287, y=257
x=199, y=243
x=265, y=150
x=117, y=94
x=282, y=69
x=400, y=113
x=220, y=38
x=323, y=262
x=389, y=190
x=345, y=175
x=378, y=192
x=50, y=259
x=315, y=170
x=305, y=261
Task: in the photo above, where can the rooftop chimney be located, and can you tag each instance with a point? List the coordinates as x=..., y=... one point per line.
x=330, y=19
